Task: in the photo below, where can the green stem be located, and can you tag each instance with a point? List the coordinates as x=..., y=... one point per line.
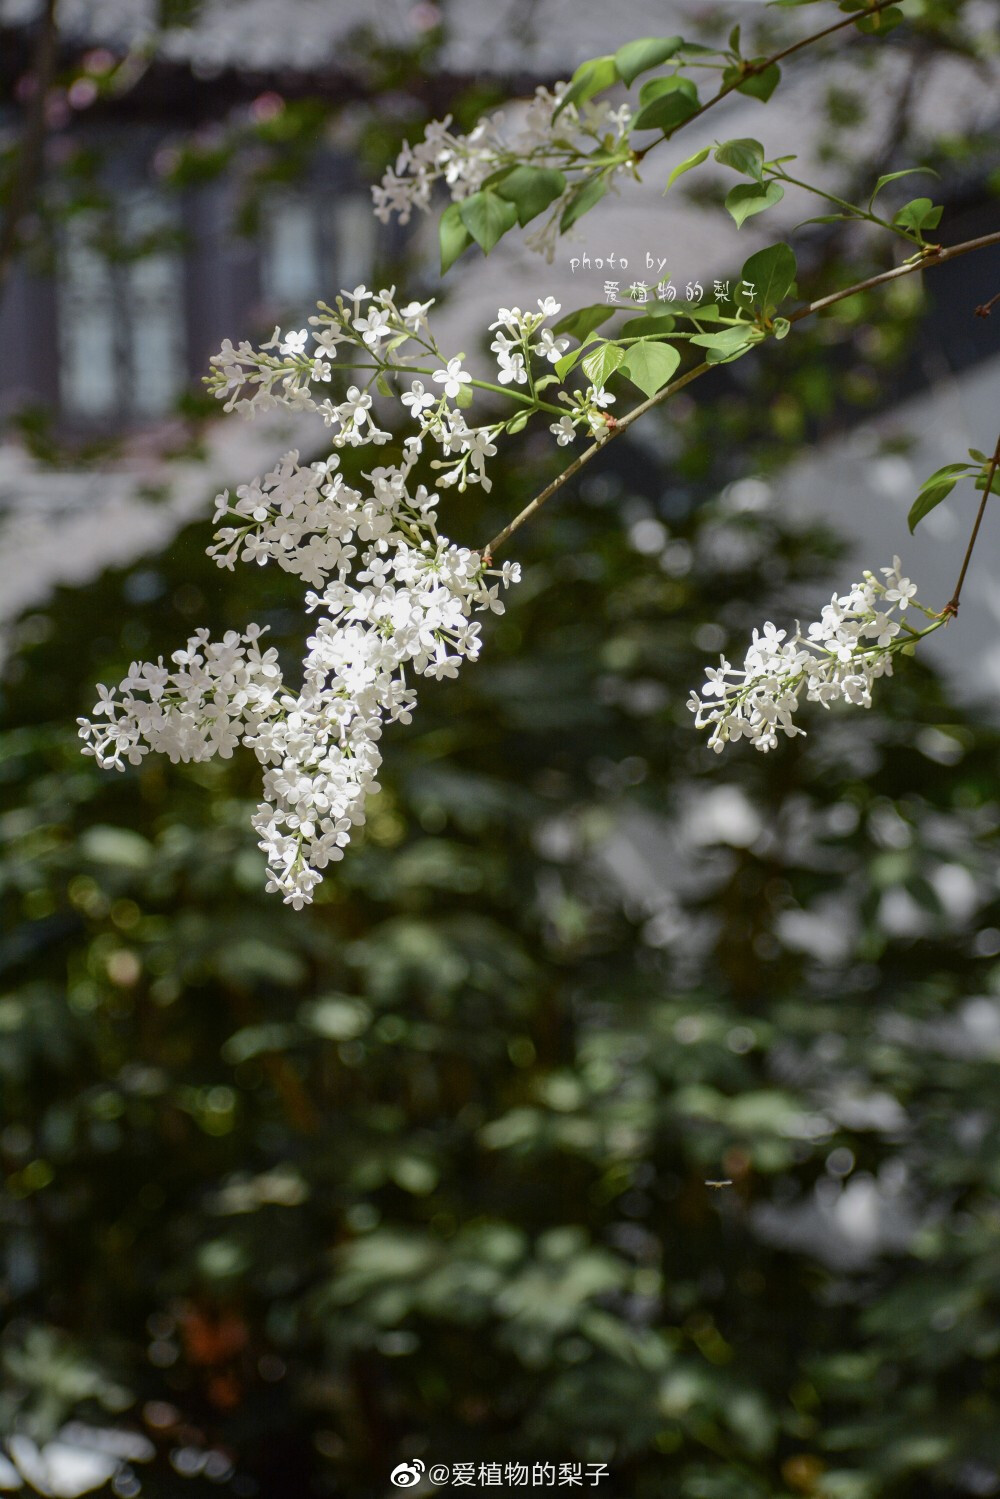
x=860, y=214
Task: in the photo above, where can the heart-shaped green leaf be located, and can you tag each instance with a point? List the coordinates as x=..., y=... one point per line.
x=761, y=85
x=639, y=56
x=649, y=365
x=752, y=197
x=667, y=110
x=602, y=362
x=771, y=273
x=487, y=217
x=743, y=155
x=531, y=190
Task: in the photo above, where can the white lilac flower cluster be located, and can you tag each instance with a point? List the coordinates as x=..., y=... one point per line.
x=536, y=137
x=838, y=658
x=394, y=601
x=368, y=332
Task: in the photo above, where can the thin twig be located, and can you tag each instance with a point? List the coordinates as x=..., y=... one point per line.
x=951, y=608
x=937, y=257
x=987, y=307
x=588, y=454
x=753, y=69
x=31, y=151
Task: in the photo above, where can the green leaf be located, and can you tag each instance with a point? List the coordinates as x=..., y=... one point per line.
x=498, y=175
x=602, y=363
x=639, y=56
x=453, y=235
x=583, y=199
x=531, y=190
x=590, y=77
x=919, y=214
x=979, y=457
x=882, y=21
x=566, y=363
x=685, y=166
x=761, y=85
x=994, y=487
x=519, y=421
x=935, y=489
x=752, y=197
x=465, y=395
x=744, y=155
x=771, y=273
x=487, y=217
x=703, y=312
x=888, y=177
x=382, y=385
x=676, y=101
x=584, y=320
x=668, y=83
x=655, y=323
x=727, y=345
x=928, y=500
x=649, y=365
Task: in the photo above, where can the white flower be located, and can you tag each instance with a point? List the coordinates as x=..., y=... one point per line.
x=415, y=313
x=512, y=369
x=294, y=343
x=452, y=378
x=374, y=327
x=563, y=430
x=550, y=347
x=417, y=398
x=898, y=589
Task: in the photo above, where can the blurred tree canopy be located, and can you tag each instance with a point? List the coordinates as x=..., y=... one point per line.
x=421, y=1171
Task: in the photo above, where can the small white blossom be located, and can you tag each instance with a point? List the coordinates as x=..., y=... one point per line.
x=452, y=378
x=417, y=398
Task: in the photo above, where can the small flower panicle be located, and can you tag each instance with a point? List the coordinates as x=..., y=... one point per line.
x=838, y=658
x=535, y=136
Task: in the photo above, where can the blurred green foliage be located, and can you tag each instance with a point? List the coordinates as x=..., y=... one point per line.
x=421, y=1171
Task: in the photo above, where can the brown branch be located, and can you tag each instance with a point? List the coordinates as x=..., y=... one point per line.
x=987, y=307
x=31, y=149
x=753, y=69
x=587, y=455
x=937, y=256
x=950, y=609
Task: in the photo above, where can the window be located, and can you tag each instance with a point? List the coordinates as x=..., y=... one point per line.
x=121, y=326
